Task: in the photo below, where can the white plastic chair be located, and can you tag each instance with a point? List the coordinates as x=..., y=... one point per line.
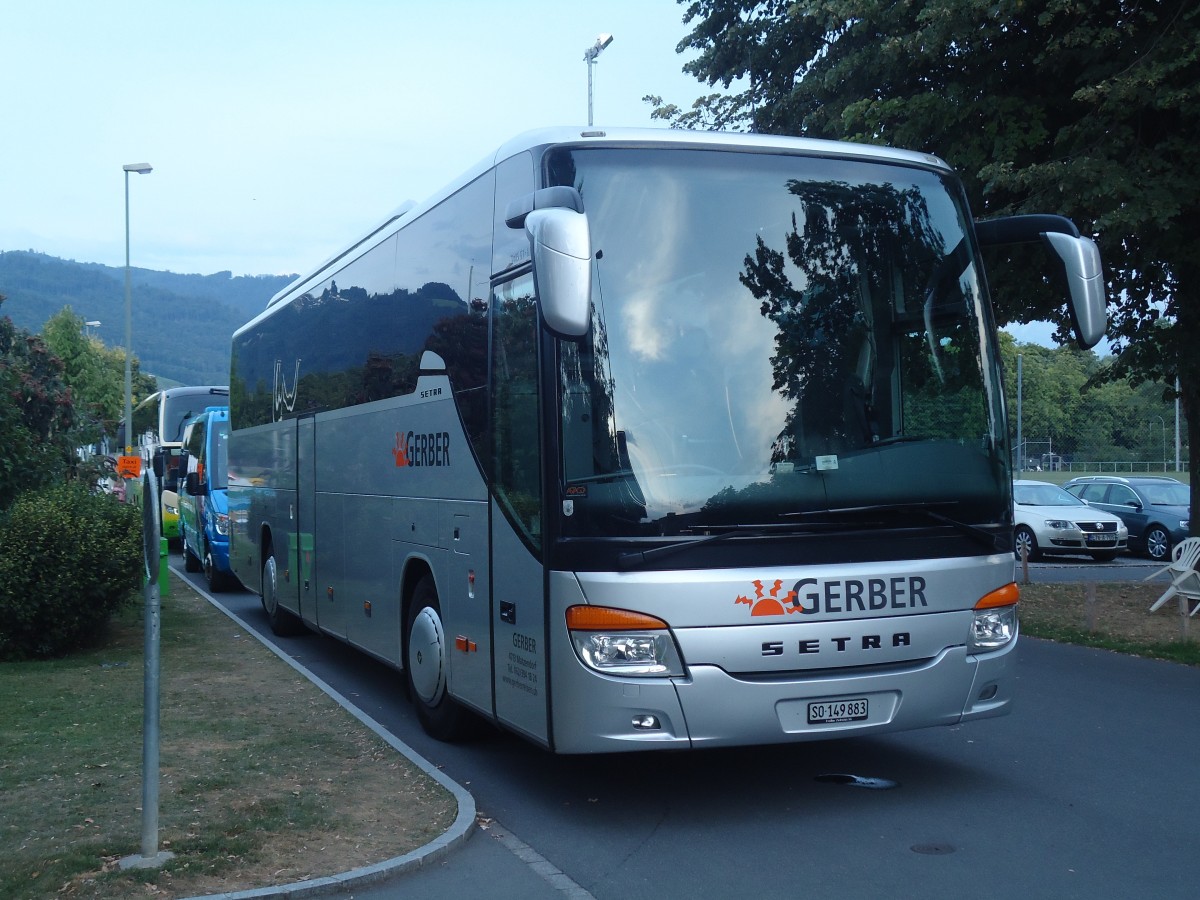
x=1185, y=580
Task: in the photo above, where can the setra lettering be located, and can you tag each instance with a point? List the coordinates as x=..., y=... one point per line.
x=813, y=646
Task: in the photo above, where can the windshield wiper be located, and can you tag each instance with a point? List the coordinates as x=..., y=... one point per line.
x=636, y=558
x=896, y=439
x=982, y=535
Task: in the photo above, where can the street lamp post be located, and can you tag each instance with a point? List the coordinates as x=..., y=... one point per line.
x=150, y=856
x=589, y=57
x=141, y=169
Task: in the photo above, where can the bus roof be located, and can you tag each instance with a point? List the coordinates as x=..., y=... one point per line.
x=627, y=137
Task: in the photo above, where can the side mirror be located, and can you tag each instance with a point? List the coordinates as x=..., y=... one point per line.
x=191, y=484
x=1080, y=264
x=1085, y=281
x=561, y=246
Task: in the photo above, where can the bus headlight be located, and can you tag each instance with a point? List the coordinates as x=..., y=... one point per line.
x=619, y=642
x=222, y=523
x=995, y=621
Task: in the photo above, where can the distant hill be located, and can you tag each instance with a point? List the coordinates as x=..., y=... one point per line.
x=182, y=324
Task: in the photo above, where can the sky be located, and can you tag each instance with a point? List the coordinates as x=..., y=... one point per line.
x=279, y=132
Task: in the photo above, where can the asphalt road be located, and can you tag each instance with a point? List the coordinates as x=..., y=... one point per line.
x=1089, y=789
x=1071, y=569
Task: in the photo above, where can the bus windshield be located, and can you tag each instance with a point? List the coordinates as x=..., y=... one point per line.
x=179, y=408
x=773, y=337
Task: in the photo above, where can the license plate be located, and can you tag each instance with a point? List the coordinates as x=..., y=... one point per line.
x=1102, y=539
x=828, y=712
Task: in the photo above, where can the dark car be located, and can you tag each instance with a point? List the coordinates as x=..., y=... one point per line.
x=1156, y=509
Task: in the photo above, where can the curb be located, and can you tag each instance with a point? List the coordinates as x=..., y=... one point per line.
x=455, y=836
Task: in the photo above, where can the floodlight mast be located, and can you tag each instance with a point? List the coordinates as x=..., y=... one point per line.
x=589, y=57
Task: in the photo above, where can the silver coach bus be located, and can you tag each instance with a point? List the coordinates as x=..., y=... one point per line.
x=637, y=439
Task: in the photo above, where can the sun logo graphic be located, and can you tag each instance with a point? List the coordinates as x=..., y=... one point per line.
x=771, y=604
x=400, y=451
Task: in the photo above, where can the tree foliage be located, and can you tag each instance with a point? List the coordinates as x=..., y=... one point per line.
x=96, y=375
x=1109, y=423
x=37, y=418
x=1086, y=108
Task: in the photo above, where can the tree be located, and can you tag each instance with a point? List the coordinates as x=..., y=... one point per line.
x=95, y=374
x=1087, y=108
x=36, y=415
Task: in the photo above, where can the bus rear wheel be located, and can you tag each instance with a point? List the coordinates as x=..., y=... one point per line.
x=426, y=661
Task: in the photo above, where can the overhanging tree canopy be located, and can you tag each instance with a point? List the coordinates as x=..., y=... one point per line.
x=1086, y=108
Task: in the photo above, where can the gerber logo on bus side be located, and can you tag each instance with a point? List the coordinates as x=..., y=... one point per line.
x=837, y=595
x=421, y=449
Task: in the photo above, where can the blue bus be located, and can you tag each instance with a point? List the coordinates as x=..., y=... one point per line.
x=203, y=500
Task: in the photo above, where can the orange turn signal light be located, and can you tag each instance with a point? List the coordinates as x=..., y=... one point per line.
x=603, y=618
x=1005, y=596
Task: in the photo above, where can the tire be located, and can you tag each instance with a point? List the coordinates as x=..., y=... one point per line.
x=1023, y=539
x=190, y=561
x=282, y=622
x=217, y=580
x=1158, y=543
x=426, y=662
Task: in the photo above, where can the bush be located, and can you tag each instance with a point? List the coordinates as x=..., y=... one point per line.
x=69, y=559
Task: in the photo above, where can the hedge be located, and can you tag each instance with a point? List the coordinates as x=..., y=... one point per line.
x=69, y=559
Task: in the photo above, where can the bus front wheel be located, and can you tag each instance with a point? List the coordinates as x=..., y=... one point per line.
x=282, y=621
x=191, y=563
x=425, y=666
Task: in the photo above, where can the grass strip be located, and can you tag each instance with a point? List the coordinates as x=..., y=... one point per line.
x=264, y=779
x=1113, y=617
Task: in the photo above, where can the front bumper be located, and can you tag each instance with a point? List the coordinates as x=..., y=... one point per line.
x=711, y=708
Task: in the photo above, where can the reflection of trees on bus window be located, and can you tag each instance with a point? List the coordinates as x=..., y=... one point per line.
x=358, y=336
x=850, y=288
x=461, y=342
x=516, y=447
x=590, y=436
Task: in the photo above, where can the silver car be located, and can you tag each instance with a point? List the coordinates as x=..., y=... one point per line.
x=1049, y=520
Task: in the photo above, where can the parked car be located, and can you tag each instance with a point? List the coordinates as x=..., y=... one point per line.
x=203, y=504
x=1155, y=508
x=1049, y=520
